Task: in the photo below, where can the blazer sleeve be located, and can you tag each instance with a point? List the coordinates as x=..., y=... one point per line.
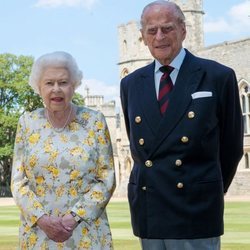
x=231, y=127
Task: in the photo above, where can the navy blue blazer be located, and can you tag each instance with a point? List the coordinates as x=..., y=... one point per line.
x=185, y=161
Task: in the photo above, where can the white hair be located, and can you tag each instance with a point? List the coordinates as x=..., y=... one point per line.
x=173, y=6
x=54, y=59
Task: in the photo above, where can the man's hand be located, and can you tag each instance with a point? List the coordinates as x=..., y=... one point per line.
x=54, y=228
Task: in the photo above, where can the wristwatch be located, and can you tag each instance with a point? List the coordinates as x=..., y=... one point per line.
x=77, y=218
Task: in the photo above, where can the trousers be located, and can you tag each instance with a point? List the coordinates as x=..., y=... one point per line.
x=182, y=244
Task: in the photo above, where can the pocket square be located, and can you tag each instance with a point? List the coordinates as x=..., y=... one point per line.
x=201, y=94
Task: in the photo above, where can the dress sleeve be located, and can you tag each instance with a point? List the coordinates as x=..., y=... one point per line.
x=92, y=204
x=24, y=197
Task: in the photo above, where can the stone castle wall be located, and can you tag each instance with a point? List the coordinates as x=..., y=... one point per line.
x=134, y=54
x=235, y=54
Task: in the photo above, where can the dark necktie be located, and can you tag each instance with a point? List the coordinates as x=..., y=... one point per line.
x=166, y=85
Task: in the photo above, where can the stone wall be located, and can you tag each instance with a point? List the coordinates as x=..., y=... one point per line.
x=134, y=54
x=235, y=54
x=241, y=184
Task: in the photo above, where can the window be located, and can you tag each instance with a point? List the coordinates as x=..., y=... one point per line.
x=245, y=104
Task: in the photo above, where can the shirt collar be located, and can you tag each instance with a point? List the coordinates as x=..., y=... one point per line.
x=176, y=63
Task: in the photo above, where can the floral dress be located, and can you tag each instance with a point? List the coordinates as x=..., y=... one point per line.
x=55, y=173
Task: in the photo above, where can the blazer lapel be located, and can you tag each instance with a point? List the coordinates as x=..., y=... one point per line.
x=147, y=98
x=188, y=80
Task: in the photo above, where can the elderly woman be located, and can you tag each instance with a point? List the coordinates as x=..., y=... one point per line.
x=63, y=171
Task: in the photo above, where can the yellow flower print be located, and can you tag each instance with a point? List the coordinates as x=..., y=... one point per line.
x=21, y=168
x=48, y=125
x=40, y=191
x=111, y=161
x=37, y=205
x=29, y=173
x=99, y=125
x=47, y=146
x=57, y=212
x=54, y=171
x=33, y=161
x=31, y=196
x=34, y=117
x=18, y=139
x=104, y=241
x=107, y=134
x=74, y=174
x=102, y=173
x=97, y=195
x=73, y=192
x=33, y=219
x=24, y=245
x=100, y=160
x=60, y=190
x=53, y=155
x=97, y=222
x=84, y=244
x=63, y=138
x=76, y=151
x=85, y=115
x=32, y=239
x=91, y=133
x=27, y=130
x=26, y=228
x=44, y=246
x=85, y=157
x=34, y=138
x=88, y=141
x=73, y=126
x=85, y=231
x=101, y=140
x=81, y=212
x=79, y=182
x=39, y=179
x=23, y=190
x=59, y=245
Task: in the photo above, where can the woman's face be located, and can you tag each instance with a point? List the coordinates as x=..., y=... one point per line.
x=56, y=88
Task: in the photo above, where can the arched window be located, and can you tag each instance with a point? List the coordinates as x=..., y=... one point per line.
x=243, y=98
x=245, y=104
x=124, y=72
x=124, y=46
x=246, y=161
x=127, y=166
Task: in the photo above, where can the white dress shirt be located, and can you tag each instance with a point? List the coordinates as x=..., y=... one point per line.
x=176, y=64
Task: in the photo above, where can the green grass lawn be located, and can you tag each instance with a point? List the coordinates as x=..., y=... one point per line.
x=236, y=237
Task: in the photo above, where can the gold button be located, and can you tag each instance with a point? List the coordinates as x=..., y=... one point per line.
x=180, y=185
x=178, y=162
x=137, y=119
x=144, y=188
x=191, y=114
x=141, y=141
x=184, y=139
x=149, y=163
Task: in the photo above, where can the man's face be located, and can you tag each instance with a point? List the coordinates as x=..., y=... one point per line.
x=163, y=33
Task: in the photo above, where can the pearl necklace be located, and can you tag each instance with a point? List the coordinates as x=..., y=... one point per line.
x=59, y=130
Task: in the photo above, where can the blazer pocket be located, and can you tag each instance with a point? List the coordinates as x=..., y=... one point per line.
x=201, y=94
x=132, y=188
